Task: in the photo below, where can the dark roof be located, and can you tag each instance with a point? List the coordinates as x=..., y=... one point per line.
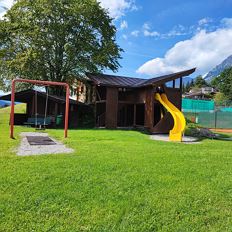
x=111, y=80
x=120, y=81
x=25, y=95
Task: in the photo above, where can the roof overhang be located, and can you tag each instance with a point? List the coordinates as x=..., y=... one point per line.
x=26, y=96
x=129, y=82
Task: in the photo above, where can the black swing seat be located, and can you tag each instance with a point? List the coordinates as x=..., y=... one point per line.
x=40, y=121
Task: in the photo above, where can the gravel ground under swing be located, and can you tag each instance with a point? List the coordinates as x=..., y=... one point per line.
x=25, y=149
x=165, y=137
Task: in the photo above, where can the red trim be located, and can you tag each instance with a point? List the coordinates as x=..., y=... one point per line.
x=45, y=83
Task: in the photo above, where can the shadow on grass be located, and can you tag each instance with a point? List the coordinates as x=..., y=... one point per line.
x=219, y=136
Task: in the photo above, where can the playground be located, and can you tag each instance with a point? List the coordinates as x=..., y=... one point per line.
x=95, y=134
x=114, y=181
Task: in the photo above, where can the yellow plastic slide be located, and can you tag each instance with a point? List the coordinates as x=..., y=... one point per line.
x=179, y=121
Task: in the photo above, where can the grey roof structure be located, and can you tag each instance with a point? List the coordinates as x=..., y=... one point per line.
x=131, y=82
x=23, y=96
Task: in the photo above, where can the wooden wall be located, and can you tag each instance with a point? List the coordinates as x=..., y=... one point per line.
x=111, y=107
x=174, y=96
x=114, y=97
x=149, y=106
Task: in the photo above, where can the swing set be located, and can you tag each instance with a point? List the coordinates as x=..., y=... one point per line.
x=37, y=121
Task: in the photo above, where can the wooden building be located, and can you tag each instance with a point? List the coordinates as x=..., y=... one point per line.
x=55, y=108
x=110, y=102
x=129, y=102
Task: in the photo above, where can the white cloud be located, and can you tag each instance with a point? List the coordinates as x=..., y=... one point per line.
x=147, y=31
x=176, y=31
x=123, y=25
x=124, y=37
x=204, y=21
x=204, y=50
x=146, y=26
x=2, y=14
x=135, y=33
x=227, y=22
x=117, y=8
x=4, y=5
x=151, y=33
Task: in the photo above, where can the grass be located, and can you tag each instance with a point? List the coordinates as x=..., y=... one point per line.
x=115, y=181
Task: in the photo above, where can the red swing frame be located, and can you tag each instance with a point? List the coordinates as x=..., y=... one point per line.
x=43, y=83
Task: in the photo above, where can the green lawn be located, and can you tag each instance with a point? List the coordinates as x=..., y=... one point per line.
x=115, y=181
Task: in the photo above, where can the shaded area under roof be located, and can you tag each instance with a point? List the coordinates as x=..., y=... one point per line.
x=25, y=95
x=120, y=81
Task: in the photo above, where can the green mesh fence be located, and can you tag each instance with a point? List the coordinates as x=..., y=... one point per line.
x=218, y=119
x=226, y=109
x=206, y=119
x=204, y=114
x=191, y=105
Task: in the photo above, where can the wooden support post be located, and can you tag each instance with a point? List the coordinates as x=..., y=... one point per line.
x=56, y=112
x=181, y=84
x=181, y=91
x=149, y=105
x=134, y=119
x=173, y=84
x=111, y=107
x=95, y=104
x=32, y=106
x=125, y=117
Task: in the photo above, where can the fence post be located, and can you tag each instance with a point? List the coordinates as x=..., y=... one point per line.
x=215, y=119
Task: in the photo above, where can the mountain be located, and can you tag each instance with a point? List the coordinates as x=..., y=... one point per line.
x=4, y=103
x=227, y=63
x=187, y=80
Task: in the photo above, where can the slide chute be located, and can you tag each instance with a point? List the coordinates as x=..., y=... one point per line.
x=177, y=131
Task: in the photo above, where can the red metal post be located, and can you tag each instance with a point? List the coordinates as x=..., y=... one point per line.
x=66, y=113
x=45, y=83
x=12, y=110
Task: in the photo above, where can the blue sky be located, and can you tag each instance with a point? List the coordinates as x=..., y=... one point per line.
x=149, y=29
x=155, y=27
x=160, y=37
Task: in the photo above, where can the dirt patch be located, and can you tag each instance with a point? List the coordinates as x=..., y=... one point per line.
x=222, y=130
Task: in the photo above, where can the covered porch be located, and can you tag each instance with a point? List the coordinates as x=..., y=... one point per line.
x=52, y=115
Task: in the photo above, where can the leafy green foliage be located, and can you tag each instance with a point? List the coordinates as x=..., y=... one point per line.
x=57, y=40
x=224, y=83
x=196, y=84
x=220, y=99
x=115, y=181
x=200, y=82
x=188, y=86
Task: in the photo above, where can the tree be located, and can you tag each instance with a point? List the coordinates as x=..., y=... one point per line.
x=191, y=84
x=220, y=99
x=188, y=86
x=224, y=83
x=200, y=82
x=58, y=40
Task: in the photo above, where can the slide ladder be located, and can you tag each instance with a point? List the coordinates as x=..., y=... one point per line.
x=177, y=131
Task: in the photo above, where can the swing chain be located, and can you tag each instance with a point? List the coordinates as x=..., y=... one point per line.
x=36, y=109
x=46, y=107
